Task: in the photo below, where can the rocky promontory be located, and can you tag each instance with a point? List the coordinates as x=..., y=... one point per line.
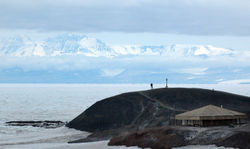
x=135, y=111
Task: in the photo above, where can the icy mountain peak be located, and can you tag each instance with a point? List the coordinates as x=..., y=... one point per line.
x=38, y=50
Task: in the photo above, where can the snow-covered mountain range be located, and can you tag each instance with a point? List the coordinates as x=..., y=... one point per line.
x=76, y=58
x=76, y=44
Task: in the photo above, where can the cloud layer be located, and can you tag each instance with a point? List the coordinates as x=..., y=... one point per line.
x=193, y=17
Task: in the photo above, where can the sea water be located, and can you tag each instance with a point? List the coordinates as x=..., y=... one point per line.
x=64, y=102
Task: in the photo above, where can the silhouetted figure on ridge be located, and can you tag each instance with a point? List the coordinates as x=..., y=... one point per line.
x=166, y=82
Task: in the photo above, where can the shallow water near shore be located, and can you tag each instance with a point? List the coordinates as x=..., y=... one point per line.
x=64, y=102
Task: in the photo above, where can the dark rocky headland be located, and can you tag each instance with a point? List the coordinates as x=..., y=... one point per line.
x=136, y=111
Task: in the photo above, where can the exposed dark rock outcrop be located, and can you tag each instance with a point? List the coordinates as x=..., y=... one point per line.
x=167, y=137
x=152, y=108
x=44, y=124
x=143, y=109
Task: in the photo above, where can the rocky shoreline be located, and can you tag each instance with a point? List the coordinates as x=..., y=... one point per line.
x=43, y=124
x=167, y=137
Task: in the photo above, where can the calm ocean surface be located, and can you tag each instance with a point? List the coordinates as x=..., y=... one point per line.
x=64, y=102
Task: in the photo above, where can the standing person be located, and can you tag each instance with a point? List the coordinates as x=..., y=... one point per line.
x=166, y=82
x=151, y=85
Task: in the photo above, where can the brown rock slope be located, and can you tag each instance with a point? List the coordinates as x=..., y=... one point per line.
x=172, y=136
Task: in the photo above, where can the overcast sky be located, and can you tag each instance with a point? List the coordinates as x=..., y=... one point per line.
x=221, y=23
x=209, y=18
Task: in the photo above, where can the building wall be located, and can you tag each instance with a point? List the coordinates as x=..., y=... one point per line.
x=219, y=122
x=209, y=122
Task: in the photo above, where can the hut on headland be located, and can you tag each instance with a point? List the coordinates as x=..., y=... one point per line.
x=210, y=115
